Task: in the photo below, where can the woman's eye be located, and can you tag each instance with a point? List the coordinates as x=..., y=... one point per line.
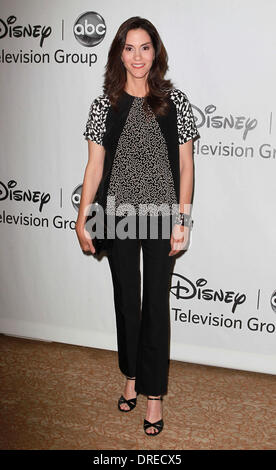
x=128, y=48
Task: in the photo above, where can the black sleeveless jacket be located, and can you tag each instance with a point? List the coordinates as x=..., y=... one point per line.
x=105, y=125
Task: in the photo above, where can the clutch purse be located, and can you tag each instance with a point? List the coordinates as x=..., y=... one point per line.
x=101, y=244
x=105, y=243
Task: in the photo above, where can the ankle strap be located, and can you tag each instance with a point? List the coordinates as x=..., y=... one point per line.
x=160, y=398
x=130, y=378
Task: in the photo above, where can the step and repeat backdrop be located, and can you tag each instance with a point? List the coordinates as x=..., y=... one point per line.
x=223, y=289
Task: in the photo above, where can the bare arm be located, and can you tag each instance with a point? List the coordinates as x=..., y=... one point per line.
x=186, y=176
x=180, y=234
x=92, y=178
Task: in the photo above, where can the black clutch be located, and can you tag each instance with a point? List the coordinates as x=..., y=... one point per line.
x=101, y=244
x=105, y=243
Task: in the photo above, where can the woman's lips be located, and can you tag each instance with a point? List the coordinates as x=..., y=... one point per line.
x=138, y=66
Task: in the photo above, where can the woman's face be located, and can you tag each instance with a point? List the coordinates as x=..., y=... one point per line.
x=138, y=53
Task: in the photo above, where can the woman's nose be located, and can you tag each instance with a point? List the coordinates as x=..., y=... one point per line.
x=137, y=55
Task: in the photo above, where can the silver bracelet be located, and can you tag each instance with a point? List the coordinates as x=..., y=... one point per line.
x=184, y=219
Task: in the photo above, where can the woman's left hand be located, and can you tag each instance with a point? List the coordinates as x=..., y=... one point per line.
x=179, y=239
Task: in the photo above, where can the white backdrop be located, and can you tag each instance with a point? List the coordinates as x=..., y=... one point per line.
x=222, y=55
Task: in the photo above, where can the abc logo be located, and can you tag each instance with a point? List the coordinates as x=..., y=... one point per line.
x=273, y=301
x=76, y=197
x=89, y=29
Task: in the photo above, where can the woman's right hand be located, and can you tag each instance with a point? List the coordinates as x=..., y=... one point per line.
x=92, y=178
x=85, y=241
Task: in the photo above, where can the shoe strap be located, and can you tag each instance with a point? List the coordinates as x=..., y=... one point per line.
x=160, y=398
x=130, y=378
x=124, y=400
x=157, y=423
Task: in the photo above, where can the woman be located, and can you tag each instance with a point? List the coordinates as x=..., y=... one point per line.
x=140, y=133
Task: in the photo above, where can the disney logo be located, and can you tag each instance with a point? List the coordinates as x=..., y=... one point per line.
x=7, y=191
x=6, y=29
x=185, y=289
x=207, y=118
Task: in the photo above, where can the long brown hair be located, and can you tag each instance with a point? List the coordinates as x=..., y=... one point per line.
x=115, y=72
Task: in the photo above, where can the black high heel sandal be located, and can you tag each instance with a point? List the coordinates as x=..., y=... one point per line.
x=131, y=403
x=158, y=425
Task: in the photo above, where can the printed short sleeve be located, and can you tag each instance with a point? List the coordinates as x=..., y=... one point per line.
x=186, y=125
x=95, y=126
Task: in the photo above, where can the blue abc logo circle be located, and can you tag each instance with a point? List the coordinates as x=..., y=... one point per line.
x=89, y=29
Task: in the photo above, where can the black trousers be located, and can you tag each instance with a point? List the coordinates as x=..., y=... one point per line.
x=143, y=331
